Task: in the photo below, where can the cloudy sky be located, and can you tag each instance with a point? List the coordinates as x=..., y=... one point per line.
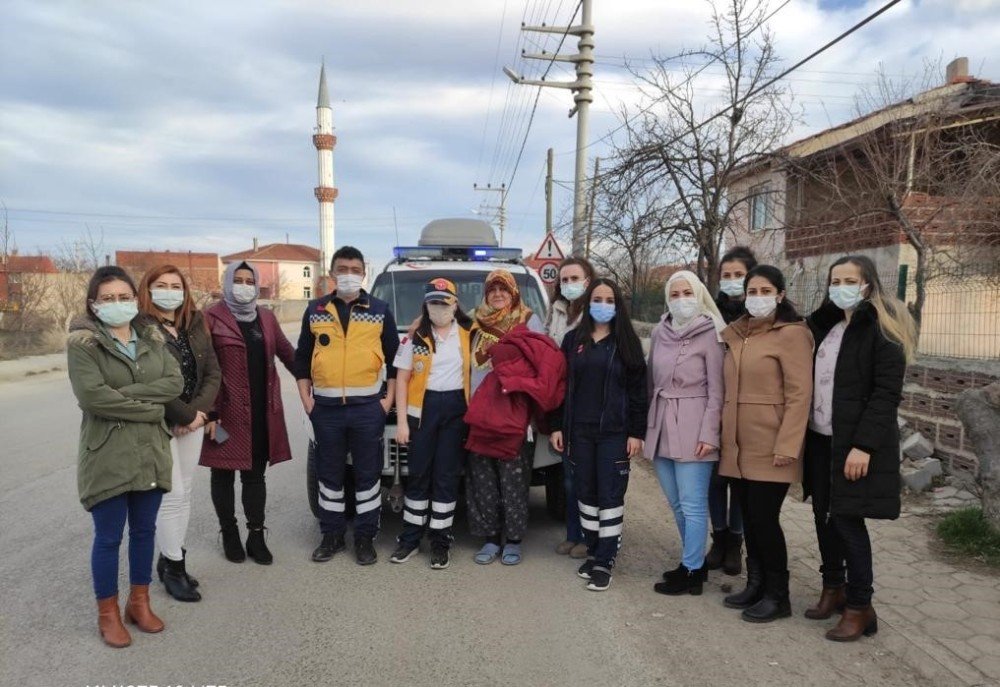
x=187, y=125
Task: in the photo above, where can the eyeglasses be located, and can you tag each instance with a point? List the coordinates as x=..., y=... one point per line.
x=121, y=298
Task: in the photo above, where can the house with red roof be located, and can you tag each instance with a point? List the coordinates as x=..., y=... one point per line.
x=288, y=271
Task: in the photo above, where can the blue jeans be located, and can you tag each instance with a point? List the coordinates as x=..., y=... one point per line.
x=140, y=509
x=723, y=518
x=686, y=487
x=354, y=428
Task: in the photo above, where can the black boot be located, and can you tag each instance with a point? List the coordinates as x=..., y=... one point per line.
x=754, y=590
x=231, y=544
x=689, y=582
x=732, y=560
x=679, y=571
x=775, y=603
x=713, y=559
x=191, y=581
x=176, y=582
x=161, y=566
x=256, y=548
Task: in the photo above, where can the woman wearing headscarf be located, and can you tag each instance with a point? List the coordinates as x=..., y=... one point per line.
x=247, y=429
x=682, y=436
x=166, y=303
x=497, y=489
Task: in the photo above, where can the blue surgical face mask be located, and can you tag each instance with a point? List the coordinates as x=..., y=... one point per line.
x=847, y=296
x=573, y=290
x=116, y=314
x=731, y=287
x=602, y=312
x=167, y=299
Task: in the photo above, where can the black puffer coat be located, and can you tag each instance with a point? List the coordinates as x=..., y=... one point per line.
x=867, y=389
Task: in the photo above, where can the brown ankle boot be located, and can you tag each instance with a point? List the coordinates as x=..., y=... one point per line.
x=832, y=600
x=854, y=623
x=109, y=623
x=137, y=610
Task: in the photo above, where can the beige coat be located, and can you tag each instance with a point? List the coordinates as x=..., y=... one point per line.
x=768, y=375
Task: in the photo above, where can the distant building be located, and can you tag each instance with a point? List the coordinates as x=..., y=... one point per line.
x=202, y=270
x=14, y=269
x=288, y=271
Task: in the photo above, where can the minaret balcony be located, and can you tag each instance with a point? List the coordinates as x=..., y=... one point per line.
x=326, y=194
x=324, y=141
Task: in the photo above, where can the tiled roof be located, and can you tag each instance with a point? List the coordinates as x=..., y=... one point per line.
x=28, y=264
x=277, y=252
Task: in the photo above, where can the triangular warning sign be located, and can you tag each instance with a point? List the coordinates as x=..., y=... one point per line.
x=549, y=250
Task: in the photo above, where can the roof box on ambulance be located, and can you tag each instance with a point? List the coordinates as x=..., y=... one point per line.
x=458, y=231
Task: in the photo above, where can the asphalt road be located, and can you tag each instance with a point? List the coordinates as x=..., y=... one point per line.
x=298, y=622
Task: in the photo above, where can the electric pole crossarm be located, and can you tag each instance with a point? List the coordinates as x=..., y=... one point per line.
x=577, y=30
x=569, y=85
x=551, y=57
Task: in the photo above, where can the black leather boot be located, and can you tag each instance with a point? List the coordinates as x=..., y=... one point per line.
x=713, y=559
x=176, y=582
x=231, y=544
x=775, y=603
x=193, y=582
x=257, y=548
x=754, y=590
x=689, y=582
x=161, y=566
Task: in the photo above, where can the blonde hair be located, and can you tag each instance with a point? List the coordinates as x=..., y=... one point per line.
x=894, y=319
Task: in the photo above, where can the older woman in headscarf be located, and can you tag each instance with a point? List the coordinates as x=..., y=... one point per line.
x=686, y=392
x=247, y=429
x=497, y=489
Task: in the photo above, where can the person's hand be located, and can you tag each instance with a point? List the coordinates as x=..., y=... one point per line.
x=856, y=466
x=199, y=421
x=556, y=441
x=703, y=449
x=210, y=430
x=308, y=403
x=634, y=447
x=386, y=404
x=181, y=430
x=403, y=432
x=782, y=461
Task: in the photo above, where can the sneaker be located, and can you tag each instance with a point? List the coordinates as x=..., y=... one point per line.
x=364, y=551
x=440, y=558
x=584, y=570
x=331, y=544
x=403, y=553
x=599, y=580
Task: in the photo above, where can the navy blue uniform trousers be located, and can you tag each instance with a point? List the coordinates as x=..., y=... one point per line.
x=601, y=468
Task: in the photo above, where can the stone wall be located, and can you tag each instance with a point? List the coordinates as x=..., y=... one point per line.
x=929, y=394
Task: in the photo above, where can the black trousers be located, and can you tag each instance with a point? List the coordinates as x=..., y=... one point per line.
x=844, y=544
x=254, y=493
x=761, y=506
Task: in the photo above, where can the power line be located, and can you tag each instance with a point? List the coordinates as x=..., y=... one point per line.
x=489, y=102
x=534, y=107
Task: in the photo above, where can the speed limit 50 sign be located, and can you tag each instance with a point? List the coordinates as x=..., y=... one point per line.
x=549, y=272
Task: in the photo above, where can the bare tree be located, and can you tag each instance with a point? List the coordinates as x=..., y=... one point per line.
x=676, y=150
x=84, y=254
x=926, y=169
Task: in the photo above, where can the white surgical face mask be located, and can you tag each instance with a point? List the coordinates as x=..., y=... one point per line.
x=244, y=293
x=167, y=299
x=441, y=315
x=761, y=306
x=731, y=287
x=683, y=309
x=847, y=296
x=573, y=290
x=349, y=283
x=116, y=314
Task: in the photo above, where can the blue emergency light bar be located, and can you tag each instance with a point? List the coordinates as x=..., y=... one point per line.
x=478, y=253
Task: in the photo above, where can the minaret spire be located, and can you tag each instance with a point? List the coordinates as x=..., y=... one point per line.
x=325, y=192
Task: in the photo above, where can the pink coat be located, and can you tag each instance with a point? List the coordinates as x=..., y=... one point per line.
x=233, y=401
x=685, y=390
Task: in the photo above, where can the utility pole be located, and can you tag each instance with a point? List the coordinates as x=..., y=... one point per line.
x=582, y=95
x=590, y=205
x=501, y=208
x=548, y=192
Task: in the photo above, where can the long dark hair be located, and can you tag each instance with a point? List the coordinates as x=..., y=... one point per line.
x=786, y=311
x=626, y=340
x=102, y=276
x=575, y=307
x=425, y=328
